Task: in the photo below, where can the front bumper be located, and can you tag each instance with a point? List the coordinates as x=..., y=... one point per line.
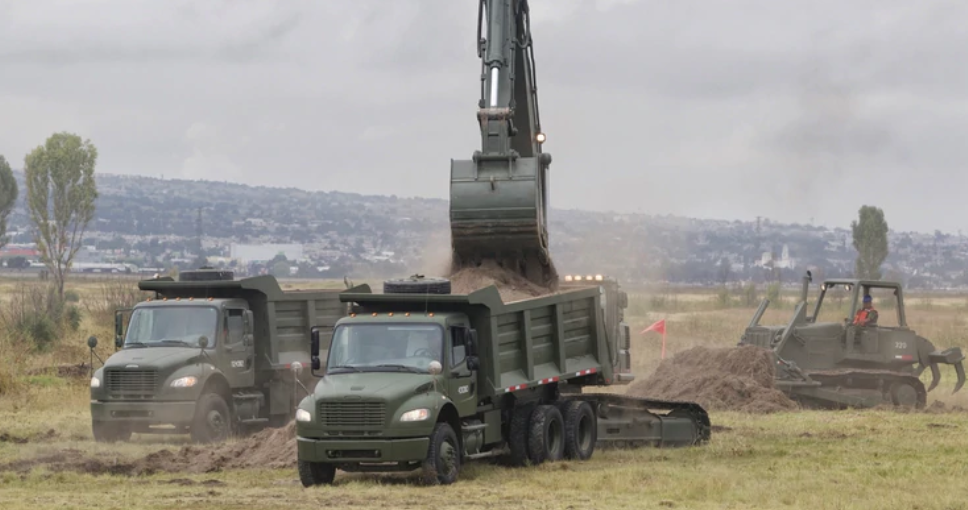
x=362, y=450
x=150, y=413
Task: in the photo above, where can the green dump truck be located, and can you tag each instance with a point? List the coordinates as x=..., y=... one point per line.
x=427, y=381
x=209, y=355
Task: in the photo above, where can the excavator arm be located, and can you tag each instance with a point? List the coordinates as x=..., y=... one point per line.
x=498, y=198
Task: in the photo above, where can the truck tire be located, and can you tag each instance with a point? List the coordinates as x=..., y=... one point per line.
x=316, y=473
x=442, y=465
x=581, y=429
x=417, y=285
x=212, y=422
x=518, y=434
x=110, y=432
x=546, y=437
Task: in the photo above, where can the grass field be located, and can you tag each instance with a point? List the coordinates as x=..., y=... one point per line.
x=805, y=459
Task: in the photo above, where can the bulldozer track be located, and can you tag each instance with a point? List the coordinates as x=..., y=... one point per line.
x=886, y=379
x=694, y=412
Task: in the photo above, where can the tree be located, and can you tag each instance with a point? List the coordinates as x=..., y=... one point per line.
x=870, y=241
x=61, y=195
x=8, y=198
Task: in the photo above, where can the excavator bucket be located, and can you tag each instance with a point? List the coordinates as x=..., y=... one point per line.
x=497, y=212
x=952, y=356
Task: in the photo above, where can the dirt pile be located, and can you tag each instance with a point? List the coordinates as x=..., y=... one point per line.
x=723, y=379
x=270, y=448
x=511, y=286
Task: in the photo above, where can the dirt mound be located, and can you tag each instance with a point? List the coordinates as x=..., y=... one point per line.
x=724, y=379
x=270, y=448
x=511, y=286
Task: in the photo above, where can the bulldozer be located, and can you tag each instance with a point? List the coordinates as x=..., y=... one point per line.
x=846, y=364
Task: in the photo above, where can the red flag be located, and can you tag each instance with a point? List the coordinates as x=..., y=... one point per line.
x=658, y=327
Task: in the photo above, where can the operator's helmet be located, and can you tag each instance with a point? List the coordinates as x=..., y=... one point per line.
x=868, y=299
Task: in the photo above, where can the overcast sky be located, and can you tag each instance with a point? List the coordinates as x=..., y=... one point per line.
x=697, y=108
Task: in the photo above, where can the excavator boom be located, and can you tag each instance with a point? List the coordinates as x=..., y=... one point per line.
x=498, y=198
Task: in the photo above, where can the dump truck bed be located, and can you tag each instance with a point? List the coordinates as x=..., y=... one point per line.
x=555, y=338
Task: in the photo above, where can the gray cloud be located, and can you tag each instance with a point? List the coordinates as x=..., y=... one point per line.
x=789, y=110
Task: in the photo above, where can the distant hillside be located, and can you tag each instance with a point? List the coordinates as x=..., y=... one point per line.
x=155, y=221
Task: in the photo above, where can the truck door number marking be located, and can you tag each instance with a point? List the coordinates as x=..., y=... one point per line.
x=463, y=389
x=900, y=345
x=238, y=363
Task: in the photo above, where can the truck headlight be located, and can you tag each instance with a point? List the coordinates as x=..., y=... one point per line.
x=303, y=415
x=184, y=382
x=95, y=382
x=415, y=415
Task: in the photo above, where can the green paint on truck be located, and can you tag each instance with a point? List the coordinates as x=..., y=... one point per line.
x=209, y=355
x=429, y=381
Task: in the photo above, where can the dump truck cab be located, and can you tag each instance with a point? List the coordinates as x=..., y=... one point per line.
x=208, y=355
x=392, y=376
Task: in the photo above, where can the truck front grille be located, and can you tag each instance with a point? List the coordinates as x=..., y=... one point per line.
x=353, y=414
x=131, y=383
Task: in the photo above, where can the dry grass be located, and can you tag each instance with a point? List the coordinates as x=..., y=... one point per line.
x=809, y=459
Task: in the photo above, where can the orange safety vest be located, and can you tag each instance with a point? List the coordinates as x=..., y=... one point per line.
x=861, y=316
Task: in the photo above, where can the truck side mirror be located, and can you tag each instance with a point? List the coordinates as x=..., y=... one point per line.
x=470, y=342
x=118, y=329
x=247, y=321
x=623, y=299
x=314, y=347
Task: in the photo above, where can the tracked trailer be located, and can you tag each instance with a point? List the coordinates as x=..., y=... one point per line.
x=843, y=364
x=429, y=381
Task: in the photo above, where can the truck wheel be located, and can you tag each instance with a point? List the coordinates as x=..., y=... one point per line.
x=442, y=464
x=518, y=433
x=417, y=285
x=581, y=430
x=212, y=423
x=546, y=437
x=109, y=432
x=316, y=473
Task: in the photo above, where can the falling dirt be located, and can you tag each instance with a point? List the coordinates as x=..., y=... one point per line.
x=723, y=379
x=511, y=286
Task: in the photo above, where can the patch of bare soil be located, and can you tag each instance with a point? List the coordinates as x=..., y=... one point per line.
x=6, y=437
x=67, y=371
x=719, y=379
x=270, y=448
x=511, y=286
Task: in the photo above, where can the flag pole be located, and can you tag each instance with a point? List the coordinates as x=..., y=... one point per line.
x=663, y=342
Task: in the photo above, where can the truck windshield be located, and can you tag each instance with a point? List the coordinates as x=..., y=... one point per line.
x=385, y=347
x=171, y=325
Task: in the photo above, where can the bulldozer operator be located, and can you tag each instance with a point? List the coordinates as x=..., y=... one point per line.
x=866, y=316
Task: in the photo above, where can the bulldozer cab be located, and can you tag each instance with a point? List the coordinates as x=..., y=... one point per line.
x=888, y=337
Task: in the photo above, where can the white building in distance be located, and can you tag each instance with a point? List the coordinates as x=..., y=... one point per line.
x=265, y=252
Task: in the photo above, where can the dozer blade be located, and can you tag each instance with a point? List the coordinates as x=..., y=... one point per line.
x=497, y=213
